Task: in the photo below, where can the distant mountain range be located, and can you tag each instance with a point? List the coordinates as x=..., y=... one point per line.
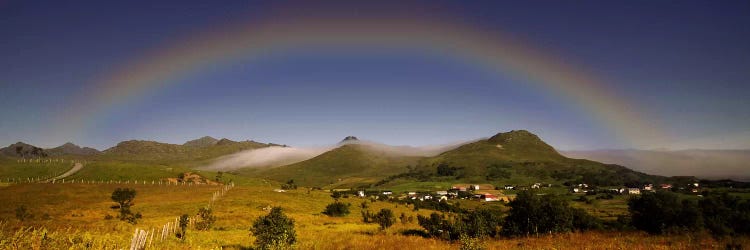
x=21, y=149
x=709, y=164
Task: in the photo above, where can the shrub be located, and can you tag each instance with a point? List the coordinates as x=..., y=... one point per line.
x=23, y=214
x=337, y=209
x=274, y=231
x=289, y=185
x=725, y=214
x=385, y=218
x=206, y=220
x=183, y=223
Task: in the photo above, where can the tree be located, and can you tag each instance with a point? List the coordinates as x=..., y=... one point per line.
x=207, y=219
x=124, y=198
x=337, y=209
x=725, y=214
x=385, y=218
x=274, y=231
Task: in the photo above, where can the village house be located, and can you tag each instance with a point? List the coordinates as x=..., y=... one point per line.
x=634, y=191
x=648, y=187
x=510, y=187
x=441, y=193
x=488, y=197
x=666, y=186
x=387, y=192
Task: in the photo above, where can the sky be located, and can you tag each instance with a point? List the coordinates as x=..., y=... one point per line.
x=683, y=65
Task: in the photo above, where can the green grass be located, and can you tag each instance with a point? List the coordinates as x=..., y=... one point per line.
x=11, y=168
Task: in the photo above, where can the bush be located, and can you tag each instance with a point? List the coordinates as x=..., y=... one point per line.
x=274, y=231
x=289, y=185
x=337, y=209
x=206, y=220
x=23, y=214
x=385, y=218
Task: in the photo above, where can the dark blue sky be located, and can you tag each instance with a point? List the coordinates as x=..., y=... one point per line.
x=686, y=62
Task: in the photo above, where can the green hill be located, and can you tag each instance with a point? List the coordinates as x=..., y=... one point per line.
x=520, y=157
x=158, y=151
x=345, y=166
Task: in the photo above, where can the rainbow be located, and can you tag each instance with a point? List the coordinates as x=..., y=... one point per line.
x=161, y=68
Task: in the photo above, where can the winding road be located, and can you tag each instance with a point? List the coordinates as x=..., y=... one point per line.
x=76, y=167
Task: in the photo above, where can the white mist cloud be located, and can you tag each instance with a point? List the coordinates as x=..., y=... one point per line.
x=266, y=157
x=280, y=156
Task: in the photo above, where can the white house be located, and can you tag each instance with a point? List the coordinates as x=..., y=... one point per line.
x=634, y=191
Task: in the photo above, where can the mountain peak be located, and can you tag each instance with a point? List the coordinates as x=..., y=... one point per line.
x=205, y=141
x=349, y=139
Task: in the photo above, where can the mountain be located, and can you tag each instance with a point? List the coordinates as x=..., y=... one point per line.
x=202, y=142
x=521, y=157
x=347, y=165
x=20, y=149
x=72, y=149
x=710, y=164
x=152, y=150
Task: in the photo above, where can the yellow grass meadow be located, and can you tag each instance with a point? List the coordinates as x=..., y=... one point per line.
x=72, y=216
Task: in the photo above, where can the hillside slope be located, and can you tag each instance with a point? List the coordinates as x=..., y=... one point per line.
x=345, y=166
x=521, y=157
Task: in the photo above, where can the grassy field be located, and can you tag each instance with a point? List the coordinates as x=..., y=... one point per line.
x=11, y=168
x=75, y=213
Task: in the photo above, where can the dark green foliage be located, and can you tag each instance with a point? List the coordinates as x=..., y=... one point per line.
x=183, y=223
x=23, y=214
x=219, y=175
x=274, y=231
x=337, y=209
x=663, y=212
x=532, y=214
x=385, y=218
x=498, y=172
x=336, y=195
x=446, y=170
x=367, y=216
x=206, y=219
x=124, y=198
x=725, y=214
x=289, y=185
x=475, y=224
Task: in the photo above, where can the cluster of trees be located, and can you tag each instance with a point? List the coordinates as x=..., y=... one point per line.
x=664, y=212
x=475, y=224
x=529, y=214
x=532, y=214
